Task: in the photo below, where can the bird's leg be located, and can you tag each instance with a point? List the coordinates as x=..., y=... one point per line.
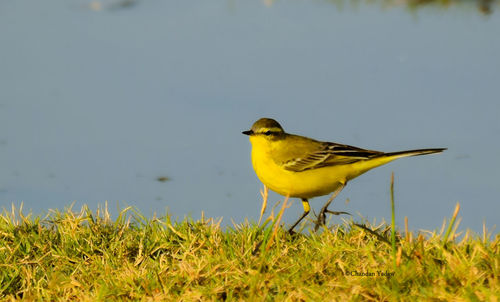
x=322, y=214
x=264, y=193
x=307, y=208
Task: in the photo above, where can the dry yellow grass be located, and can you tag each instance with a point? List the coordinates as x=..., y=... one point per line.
x=86, y=256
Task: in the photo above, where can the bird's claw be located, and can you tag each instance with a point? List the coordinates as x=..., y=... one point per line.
x=337, y=213
x=322, y=217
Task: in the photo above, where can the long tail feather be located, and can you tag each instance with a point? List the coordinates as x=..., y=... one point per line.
x=413, y=152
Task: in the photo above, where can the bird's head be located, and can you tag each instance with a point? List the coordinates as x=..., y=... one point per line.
x=265, y=128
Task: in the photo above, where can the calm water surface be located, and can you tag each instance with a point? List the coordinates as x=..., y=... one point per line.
x=99, y=99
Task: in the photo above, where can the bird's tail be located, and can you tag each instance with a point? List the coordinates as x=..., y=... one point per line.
x=412, y=152
x=381, y=159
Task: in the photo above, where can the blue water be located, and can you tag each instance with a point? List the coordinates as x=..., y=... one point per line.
x=98, y=100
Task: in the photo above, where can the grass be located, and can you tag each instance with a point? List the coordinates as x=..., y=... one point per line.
x=87, y=256
x=393, y=223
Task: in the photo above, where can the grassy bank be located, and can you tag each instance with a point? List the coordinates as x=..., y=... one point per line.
x=87, y=256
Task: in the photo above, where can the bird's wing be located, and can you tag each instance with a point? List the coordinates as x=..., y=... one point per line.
x=328, y=154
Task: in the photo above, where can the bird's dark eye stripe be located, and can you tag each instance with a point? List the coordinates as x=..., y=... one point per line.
x=270, y=131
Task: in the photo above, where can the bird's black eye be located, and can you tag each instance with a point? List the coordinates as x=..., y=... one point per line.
x=267, y=132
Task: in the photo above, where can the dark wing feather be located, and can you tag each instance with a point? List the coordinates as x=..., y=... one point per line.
x=329, y=154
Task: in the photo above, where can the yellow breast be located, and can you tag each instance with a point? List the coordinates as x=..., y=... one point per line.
x=305, y=184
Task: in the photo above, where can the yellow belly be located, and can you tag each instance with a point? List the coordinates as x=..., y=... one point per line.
x=308, y=183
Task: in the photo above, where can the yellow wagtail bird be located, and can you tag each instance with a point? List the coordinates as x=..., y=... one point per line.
x=298, y=166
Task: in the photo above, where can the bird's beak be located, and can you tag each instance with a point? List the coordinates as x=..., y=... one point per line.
x=248, y=132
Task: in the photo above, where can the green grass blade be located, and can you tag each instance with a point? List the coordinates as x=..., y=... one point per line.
x=393, y=223
x=452, y=222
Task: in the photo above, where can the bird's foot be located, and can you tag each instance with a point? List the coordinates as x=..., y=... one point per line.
x=337, y=213
x=322, y=217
